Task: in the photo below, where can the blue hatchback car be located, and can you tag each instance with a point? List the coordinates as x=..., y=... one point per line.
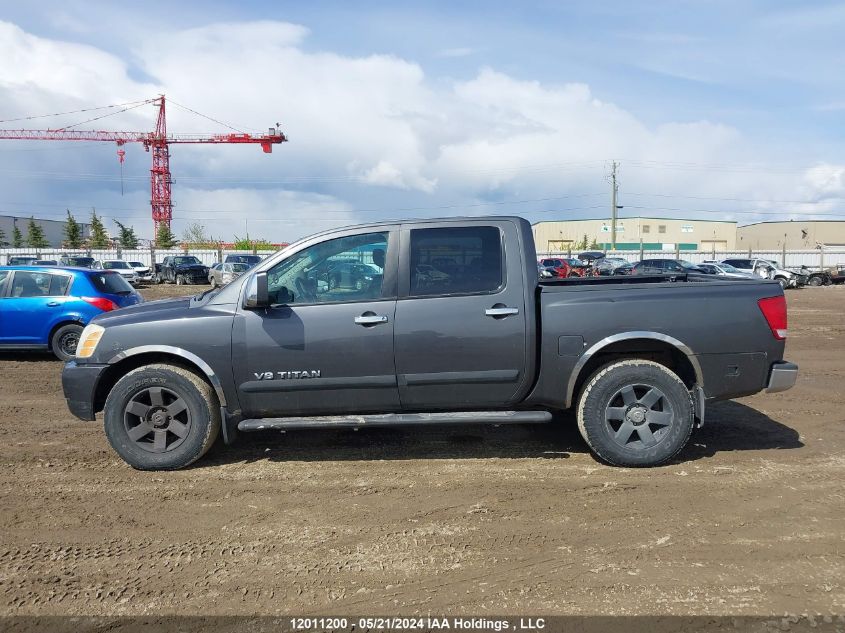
x=46, y=308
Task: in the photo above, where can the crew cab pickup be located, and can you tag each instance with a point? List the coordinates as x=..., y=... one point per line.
x=453, y=326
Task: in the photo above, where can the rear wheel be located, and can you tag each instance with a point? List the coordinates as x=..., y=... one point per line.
x=815, y=281
x=64, y=341
x=180, y=280
x=635, y=413
x=161, y=417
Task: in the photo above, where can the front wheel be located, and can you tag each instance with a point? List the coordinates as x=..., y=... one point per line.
x=784, y=283
x=64, y=341
x=635, y=413
x=815, y=281
x=161, y=417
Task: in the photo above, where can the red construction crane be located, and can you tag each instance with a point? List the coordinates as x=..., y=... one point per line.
x=159, y=142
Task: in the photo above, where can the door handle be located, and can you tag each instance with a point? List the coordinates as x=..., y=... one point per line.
x=500, y=311
x=53, y=304
x=368, y=318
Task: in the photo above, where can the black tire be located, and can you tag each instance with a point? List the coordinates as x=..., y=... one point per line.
x=180, y=280
x=815, y=281
x=213, y=282
x=783, y=281
x=145, y=398
x=64, y=341
x=656, y=411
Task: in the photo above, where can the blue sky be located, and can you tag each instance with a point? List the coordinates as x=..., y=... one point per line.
x=713, y=109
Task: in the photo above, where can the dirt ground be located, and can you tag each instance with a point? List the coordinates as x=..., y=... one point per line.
x=514, y=520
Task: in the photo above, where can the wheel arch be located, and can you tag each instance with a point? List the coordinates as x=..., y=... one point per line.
x=127, y=360
x=656, y=346
x=60, y=323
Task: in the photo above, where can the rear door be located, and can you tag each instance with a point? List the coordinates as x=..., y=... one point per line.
x=460, y=331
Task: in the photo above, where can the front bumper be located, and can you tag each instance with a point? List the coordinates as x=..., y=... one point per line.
x=79, y=384
x=782, y=377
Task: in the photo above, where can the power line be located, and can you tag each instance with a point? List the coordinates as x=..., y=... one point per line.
x=44, y=116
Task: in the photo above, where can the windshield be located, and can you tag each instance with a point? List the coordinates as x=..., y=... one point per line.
x=110, y=283
x=137, y=264
x=244, y=259
x=686, y=264
x=239, y=268
x=115, y=265
x=728, y=268
x=186, y=260
x=85, y=262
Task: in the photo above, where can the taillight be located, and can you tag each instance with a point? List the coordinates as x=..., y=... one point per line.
x=774, y=310
x=106, y=305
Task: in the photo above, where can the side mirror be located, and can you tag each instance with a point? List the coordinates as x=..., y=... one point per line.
x=257, y=295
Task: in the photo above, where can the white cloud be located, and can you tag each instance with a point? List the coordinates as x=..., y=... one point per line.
x=827, y=181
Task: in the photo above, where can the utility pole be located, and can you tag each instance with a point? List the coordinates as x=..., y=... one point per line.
x=614, y=189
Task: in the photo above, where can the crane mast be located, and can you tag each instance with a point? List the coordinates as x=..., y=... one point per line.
x=158, y=144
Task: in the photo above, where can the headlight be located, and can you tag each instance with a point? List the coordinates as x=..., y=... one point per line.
x=88, y=340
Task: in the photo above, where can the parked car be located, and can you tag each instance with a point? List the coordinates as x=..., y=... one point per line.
x=625, y=269
x=837, y=274
x=21, y=260
x=352, y=275
x=222, y=274
x=818, y=277
x=485, y=344
x=609, y=265
x=664, y=267
x=46, y=308
x=121, y=267
x=561, y=267
x=45, y=262
x=249, y=260
x=78, y=261
x=143, y=271
x=182, y=269
x=767, y=269
x=725, y=270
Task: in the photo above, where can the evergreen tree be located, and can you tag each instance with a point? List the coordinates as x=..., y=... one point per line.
x=73, y=232
x=3, y=241
x=127, y=238
x=99, y=237
x=35, y=235
x=17, y=237
x=165, y=237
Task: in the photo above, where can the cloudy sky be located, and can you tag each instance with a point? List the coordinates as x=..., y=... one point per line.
x=714, y=109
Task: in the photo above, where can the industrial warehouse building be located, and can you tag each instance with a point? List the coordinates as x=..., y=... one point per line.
x=655, y=234
x=795, y=235
x=54, y=230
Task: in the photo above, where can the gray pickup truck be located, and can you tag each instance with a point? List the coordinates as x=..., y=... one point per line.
x=450, y=324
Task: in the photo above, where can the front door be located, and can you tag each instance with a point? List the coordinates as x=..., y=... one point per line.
x=461, y=332
x=322, y=347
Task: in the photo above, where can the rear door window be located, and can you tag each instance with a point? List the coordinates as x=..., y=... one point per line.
x=38, y=284
x=460, y=260
x=110, y=283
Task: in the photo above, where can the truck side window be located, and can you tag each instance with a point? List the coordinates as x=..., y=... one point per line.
x=345, y=269
x=460, y=260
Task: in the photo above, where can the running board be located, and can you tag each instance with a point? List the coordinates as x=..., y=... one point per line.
x=395, y=419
